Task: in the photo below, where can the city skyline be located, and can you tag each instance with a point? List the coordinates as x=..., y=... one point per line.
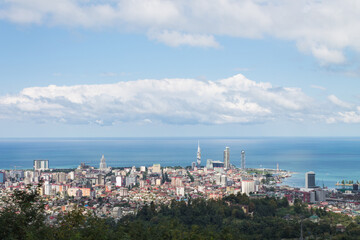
x=268, y=89
x=162, y=68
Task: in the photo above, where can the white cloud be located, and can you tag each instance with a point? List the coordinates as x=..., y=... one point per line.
x=99, y=122
x=174, y=101
x=174, y=39
x=326, y=55
x=318, y=87
x=147, y=121
x=335, y=100
x=352, y=116
x=180, y=101
x=321, y=28
x=348, y=117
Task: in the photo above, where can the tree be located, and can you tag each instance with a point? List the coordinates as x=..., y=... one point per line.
x=190, y=176
x=167, y=179
x=23, y=215
x=283, y=202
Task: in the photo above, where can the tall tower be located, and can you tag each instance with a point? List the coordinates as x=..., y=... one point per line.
x=243, y=160
x=198, y=155
x=40, y=165
x=310, y=180
x=102, y=163
x=227, y=158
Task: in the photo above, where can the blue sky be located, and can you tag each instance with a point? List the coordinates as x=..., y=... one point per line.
x=77, y=68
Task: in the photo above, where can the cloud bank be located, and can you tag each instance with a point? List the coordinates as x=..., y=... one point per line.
x=321, y=28
x=235, y=100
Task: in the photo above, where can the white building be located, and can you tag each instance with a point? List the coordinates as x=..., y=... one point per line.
x=29, y=177
x=156, y=168
x=119, y=181
x=198, y=156
x=123, y=192
x=180, y=191
x=61, y=177
x=102, y=163
x=41, y=165
x=223, y=181
x=158, y=182
x=209, y=164
x=218, y=178
x=227, y=158
x=71, y=175
x=116, y=212
x=247, y=186
x=47, y=187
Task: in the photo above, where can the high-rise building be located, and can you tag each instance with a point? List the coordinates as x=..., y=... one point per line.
x=247, y=186
x=60, y=177
x=218, y=179
x=101, y=179
x=310, y=180
x=102, y=163
x=156, y=168
x=209, y=164
x=119, y=181
x=41, y=165
x=47, y=186
x=320, y=195
x=227, y=158
x=198, y=155
x=71, y=175
x=130, y=181
x=243, y=160
x=223, y=180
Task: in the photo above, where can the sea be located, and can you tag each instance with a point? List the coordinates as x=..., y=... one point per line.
x=332, y=159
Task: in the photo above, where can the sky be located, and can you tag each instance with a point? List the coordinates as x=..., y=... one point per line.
x=158, y=68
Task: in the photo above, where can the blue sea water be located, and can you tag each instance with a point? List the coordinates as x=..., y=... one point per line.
x=332, y=159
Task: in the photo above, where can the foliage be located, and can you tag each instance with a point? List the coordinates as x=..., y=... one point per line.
x=190, y=176
x=23, y=215
x=233, y=217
